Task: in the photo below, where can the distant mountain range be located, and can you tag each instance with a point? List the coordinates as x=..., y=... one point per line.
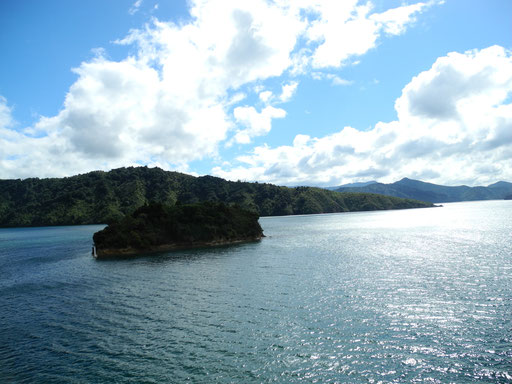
x=363, y=184
x=419, y=190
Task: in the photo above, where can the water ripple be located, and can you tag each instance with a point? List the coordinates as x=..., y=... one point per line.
x=373, y=297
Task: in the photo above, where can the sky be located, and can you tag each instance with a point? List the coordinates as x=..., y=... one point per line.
x=302, y=92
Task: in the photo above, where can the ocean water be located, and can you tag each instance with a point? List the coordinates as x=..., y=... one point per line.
x=421, y=295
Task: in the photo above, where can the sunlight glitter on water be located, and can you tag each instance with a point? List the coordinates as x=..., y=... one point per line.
x=397, y=296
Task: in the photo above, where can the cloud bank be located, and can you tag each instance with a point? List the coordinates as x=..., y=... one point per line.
x=454, y=126
x=192, y=87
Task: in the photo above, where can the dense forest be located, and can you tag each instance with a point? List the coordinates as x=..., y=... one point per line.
x=155, y=225
x=102, y=197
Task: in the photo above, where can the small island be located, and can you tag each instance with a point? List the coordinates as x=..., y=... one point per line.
x=158, y=227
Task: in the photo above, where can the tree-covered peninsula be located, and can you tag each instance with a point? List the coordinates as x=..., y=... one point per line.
x=156, y=227
x=102, y=197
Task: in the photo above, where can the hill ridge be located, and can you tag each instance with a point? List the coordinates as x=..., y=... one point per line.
x=101, y=197
x=435, y=193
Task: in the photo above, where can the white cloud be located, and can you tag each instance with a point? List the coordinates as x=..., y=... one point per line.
x=236, y=98
x=345, y=29
x=454, y=125
x=335, y=79
x=287, y=91
x=457, y=85
x=5, y=114
x=256, y=123
x=394, y=21
x=172, y=101
x=265, y=96
x=135, y=7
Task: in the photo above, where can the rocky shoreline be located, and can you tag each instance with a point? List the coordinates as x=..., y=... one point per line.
x=110, y=253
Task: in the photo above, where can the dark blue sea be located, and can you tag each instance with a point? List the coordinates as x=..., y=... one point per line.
x=411, y=296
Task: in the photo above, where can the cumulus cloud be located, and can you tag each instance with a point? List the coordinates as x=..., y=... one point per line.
x=176, y=98
x=394, y=21
x=287, y=91
x=256, y=123
x=265, y=96
x=456, y=84
x=454, y=125
x=344, y=29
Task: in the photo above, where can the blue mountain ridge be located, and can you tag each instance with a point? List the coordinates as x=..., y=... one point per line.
x=434, y=193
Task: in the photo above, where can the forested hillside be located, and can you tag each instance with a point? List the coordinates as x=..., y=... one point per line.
x=415, y=189
x=100, y=197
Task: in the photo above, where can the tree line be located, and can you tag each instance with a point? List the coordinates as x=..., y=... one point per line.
x=102, y=197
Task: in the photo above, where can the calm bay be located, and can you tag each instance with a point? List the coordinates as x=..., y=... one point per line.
x=419, y=295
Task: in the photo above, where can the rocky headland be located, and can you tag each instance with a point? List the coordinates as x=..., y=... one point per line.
x=156, y=227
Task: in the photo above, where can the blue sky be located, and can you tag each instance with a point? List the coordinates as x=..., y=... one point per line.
x=304, y=92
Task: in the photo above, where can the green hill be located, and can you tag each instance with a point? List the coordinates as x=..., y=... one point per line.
x=101, y=197
x=415, y=189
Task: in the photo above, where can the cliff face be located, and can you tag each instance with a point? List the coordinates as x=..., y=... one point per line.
x=157, y=227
